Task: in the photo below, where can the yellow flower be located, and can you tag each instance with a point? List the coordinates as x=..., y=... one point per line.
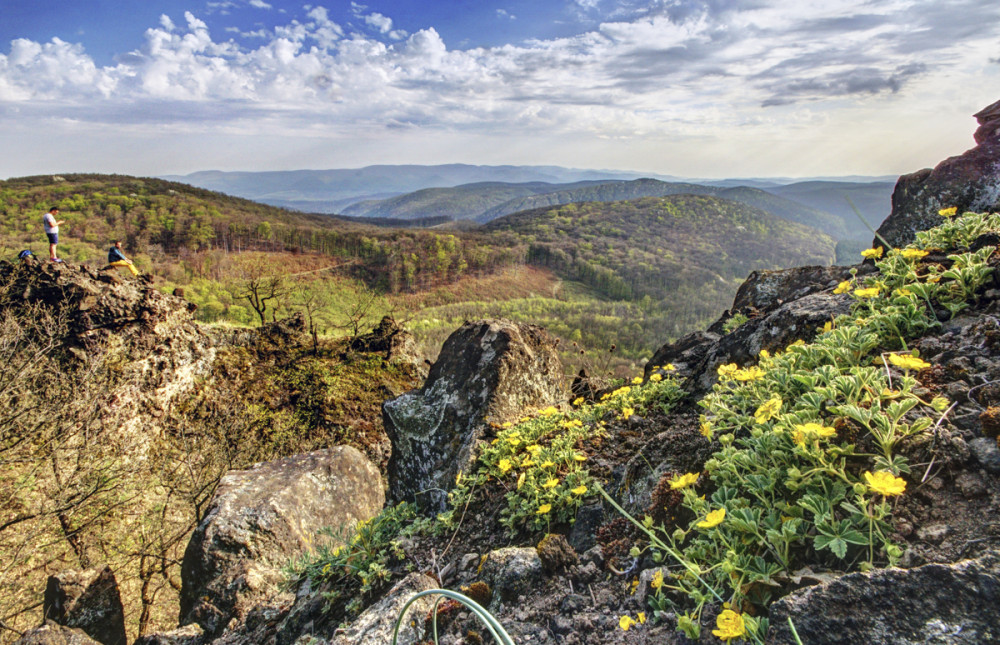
x=749, y=374
x=683, y=481
x=514, y=441
x=713, y=519
x=655, y=378
x=657, y=580
x=948, y=212
x=326, y=568
x=890, y=394
x=768, y=410
x=548, y=463
x=578, y=401
x=637, y=380
x=579, y=490
x=902, y=292
x=642, y=617
x=843, y=287
x=543, y=509
x=706, y=430
x=549, y=411
x=506, y=424
x=533, y=448
x=874, y=254
x=627, y=413
x=670, y=367
x=885, y=483
x=579, y=457
x=908, y=362
x=812, y=430
x=912, y=254
x=730, y=625
x=572, y=423
x=728, y=369
x=504, y=465
x=827, y=326
x=622, y=391
x=765, y=354
x=625, y=622
x=870, y=292
x=520, y=481
x=552, y=483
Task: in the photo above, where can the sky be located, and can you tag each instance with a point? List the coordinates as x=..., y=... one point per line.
x=712, y=89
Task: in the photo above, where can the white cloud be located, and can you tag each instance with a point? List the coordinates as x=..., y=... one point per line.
x=681, y=71
x=380, y=22
x=260, y=4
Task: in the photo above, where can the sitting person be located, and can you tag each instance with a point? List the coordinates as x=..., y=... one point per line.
x=117, y=259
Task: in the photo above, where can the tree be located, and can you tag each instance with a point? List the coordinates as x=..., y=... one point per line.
x=261, y=284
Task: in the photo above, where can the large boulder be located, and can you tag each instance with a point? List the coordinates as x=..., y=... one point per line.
x=488, y=371
x=52, y=633
x=261, y=518
x=970, y=182
x=89, y=600
x=946, y=604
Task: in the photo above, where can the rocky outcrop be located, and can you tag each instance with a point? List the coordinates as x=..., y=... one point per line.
x=781, y=306
x=374, y=626
x=390, y=339
x=261, y=518
x=489, y=371
x=52, y=633
x=89, y=600
x=938, y=603
x=970, y=182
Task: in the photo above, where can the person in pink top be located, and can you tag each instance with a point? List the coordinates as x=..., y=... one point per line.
x=52, y=231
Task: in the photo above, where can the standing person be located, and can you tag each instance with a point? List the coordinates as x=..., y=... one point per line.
x=117, y=259
x=52, y=231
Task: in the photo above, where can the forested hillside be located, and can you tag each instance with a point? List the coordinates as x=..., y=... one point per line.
x=628, y=273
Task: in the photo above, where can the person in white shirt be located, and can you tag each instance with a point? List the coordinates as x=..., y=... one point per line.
x=52, y=231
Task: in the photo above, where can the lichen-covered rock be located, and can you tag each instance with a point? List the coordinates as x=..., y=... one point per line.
x=946, y=604
x=89, y=600
x=374, y=626
x=970, y=182
x=52, y=633
x=261, y=518
x=488, y=371
x=511, y=572
x=191, y=634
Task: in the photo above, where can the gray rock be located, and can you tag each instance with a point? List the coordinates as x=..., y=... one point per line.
x=935, y=533
x=987, y=453
x=89, y=600
x=970, y=182
x=511, y=572
x=261, y=518
x=488, y=371
x=54, y=634
x=936, y=603
x=374, y=626
x=188, y=635
x=774, y=331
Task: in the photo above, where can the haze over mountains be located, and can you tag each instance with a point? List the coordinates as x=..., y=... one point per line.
x=483, y=193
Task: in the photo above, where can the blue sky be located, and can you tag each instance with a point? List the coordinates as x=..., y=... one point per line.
x=697, y=89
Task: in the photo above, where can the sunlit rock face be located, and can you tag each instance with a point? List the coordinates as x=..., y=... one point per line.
x=969, y=182
x=489, y=371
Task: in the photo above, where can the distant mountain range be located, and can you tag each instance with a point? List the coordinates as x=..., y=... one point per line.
x=483, y=193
